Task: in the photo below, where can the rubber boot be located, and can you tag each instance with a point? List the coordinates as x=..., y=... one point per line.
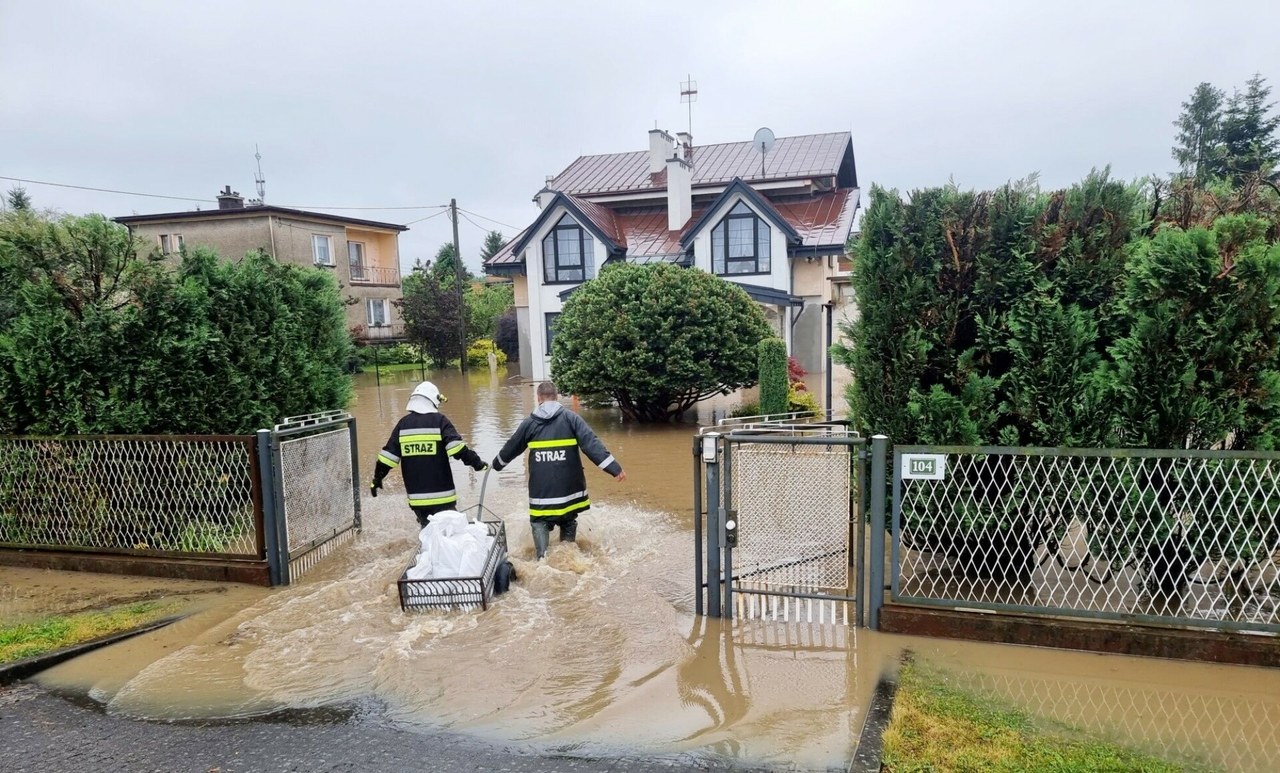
x=541, y=537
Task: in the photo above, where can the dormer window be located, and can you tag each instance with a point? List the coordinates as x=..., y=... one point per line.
x=568, y=253
x=740, y=243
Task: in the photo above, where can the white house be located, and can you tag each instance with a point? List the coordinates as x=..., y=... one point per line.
x=776, y=225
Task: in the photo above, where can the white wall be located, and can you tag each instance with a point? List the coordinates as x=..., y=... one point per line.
x=779, y=276
x=545, y=299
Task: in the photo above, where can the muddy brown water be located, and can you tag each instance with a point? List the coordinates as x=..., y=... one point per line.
x=597, y=650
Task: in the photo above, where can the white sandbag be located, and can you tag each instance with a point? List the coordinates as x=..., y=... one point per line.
x=422, y=569
x=451, y=547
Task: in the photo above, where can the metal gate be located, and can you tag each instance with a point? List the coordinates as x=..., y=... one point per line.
x=784, y=534
x=311, y=464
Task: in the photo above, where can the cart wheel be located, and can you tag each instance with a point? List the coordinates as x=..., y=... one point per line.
x=503, y=578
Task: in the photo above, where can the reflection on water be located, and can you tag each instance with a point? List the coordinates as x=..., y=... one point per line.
x=1223, y=717
x=596, y=650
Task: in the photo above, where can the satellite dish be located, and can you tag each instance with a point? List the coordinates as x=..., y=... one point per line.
x=763, y=142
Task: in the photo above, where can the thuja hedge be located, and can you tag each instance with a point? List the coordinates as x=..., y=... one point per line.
x=95, y=340
x=1085, y=317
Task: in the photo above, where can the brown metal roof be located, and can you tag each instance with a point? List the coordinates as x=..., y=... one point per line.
x=822, y=220
x=810, y=155
x=507, y=256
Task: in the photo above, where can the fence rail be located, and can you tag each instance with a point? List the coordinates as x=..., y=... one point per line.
x=188, y=496
x=1173, y=537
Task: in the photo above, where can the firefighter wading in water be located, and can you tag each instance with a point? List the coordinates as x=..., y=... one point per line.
x=422, y=444
x=557, y=486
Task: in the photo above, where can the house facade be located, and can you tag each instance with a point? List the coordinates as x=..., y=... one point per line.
x=777, y=225
x=363, y=254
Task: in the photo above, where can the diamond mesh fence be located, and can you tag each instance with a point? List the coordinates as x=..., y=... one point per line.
x=792, y=506
x=317, y=487
x=1185, y=537
x=131, y=494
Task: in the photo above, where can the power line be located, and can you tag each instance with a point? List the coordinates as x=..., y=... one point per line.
x=106, y=190
x=202, y=201
x=491, y=220
x=300, y=206
x=428, y=217
x=472, y=222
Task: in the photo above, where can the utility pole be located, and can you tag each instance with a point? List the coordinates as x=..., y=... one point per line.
x=462, y=301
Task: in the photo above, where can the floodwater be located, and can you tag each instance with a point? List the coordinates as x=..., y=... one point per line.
x=596, y=651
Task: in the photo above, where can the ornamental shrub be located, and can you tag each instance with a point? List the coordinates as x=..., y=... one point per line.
x=657, y=339
x=774, y=383
x=478, y=353
x=99, y=341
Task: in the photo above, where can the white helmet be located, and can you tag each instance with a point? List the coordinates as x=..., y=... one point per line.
x=426, y=398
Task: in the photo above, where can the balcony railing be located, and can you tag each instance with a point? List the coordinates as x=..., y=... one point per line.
x=391, y=331
x=375, y=275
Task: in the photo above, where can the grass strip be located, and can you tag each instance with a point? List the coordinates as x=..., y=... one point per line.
x=936, y=726
x=26, y=640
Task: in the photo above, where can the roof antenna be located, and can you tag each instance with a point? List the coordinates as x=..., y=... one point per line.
x=689, y=95
x=763, y=143
x=258, y=178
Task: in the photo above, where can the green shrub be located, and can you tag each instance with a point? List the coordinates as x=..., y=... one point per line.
x=774, y=383
x=657, y=339
x=101, y=342
x=803, y=402
x=478, y=353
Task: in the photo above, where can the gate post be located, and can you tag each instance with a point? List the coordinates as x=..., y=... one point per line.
x=282, y=512
x=879, y=449
x=355, y=471
x=711, y=458
x=270, y=532
x=697, y=527
x=728, y=528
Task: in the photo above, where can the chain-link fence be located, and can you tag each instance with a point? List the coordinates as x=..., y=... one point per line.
x=131, y=494
x=793, y=515
x=1181, y=537
x=314, y=476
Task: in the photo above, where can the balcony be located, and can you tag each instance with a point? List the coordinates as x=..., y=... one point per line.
x=374, y=276
x=390, y=331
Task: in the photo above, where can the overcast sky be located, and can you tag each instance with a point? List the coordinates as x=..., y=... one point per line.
x=378, y=104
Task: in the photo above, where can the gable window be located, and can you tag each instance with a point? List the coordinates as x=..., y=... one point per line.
x=568, y=253
x=377, y=311
x=551, y=328
x=355, y=256
x=740, y=243
x=322, y=249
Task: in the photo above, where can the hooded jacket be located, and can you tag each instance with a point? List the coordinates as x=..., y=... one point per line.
x=554, y=437
x=422, y=445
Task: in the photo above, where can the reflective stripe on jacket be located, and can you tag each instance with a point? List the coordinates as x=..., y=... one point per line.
x=421, y=445
x=554, y=437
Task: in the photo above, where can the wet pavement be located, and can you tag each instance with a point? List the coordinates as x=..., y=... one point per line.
x=46, y=733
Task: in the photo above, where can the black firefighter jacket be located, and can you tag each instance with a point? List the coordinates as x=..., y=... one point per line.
x=422, y=445
x=554, y=436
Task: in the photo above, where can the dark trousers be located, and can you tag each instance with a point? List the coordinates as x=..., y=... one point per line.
x=542, y=530
x=424, y=513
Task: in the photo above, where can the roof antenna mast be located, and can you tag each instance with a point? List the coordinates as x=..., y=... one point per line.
x=258, y=178
x=689, y=95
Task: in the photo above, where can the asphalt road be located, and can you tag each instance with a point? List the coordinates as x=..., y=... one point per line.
x=47, y=733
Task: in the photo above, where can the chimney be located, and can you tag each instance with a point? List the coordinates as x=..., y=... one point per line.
x=679, y=192
x=229, y=199
x=545, y=195
x=685, y=140
x=659, y=150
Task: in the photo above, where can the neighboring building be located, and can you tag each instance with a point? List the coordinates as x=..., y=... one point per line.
x=363, y=254
x=779, y=232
